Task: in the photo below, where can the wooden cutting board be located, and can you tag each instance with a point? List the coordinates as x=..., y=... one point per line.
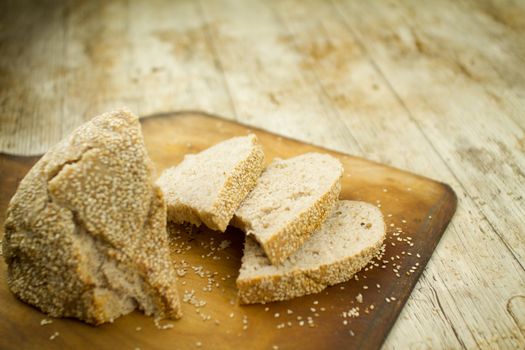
x=416, y=209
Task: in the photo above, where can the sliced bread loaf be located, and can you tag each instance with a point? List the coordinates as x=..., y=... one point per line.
x=292, y=198
x=343, y=245
x=209, y=186
x=85, y=233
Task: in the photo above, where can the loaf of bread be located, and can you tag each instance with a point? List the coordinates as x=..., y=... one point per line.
x=209, y=186
x=343, y=245
x=291, y=199
x=85, y=233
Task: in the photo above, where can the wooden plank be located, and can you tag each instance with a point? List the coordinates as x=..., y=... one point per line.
x=420, y=216
x=463, y=131
x=264, y=76
x=62, y=64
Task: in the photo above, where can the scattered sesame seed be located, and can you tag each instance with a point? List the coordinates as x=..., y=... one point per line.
x=359, y=298
x=54, y=335
x=276, y=315
x=45, y=321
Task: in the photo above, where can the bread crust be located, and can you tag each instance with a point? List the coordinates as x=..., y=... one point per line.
x=303, y=282
x=85, y=233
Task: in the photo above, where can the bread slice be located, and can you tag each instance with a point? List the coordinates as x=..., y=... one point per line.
x=343, y=245
x=209, y=186
x=85, y=233
x=292, y=198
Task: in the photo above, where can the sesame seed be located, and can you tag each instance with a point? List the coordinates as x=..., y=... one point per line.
x=45, y=322
x=359, y=298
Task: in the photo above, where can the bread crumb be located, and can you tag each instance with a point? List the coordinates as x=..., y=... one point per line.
x=138, y=329
x=224, y=244
x=198, y=344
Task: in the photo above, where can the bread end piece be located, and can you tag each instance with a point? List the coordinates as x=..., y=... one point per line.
x=85, y=233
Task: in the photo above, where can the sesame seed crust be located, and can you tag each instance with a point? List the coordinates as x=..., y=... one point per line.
x=302, y=274
x=85, y=233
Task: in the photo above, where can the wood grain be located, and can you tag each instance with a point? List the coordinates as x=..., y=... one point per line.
x=417, y=211
x=432, y=87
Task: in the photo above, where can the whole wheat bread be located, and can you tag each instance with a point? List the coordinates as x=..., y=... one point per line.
x=85, y=233
x=209, y=186
x=343, y=245
x=292, y=198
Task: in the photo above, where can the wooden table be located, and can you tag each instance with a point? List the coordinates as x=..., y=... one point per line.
x=437, y=88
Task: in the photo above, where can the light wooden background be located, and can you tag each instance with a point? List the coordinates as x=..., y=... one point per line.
x=434, y=87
